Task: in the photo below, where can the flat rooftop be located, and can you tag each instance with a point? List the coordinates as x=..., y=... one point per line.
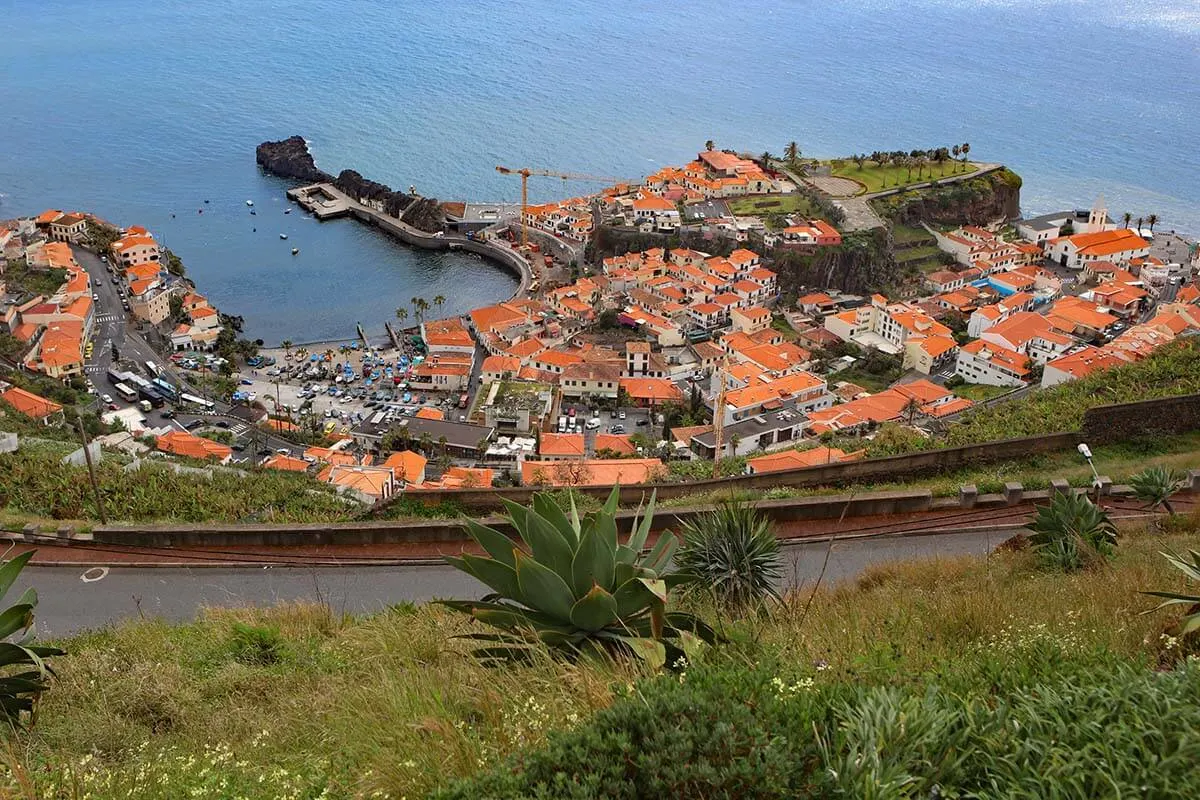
x=491, y=212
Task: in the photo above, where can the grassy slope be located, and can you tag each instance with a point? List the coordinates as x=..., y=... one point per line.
x=389, y=704
x=876, y=178
x=782, y=204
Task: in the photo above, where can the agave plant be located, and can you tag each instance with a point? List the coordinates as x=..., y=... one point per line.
x=1072, y=532
x=733, y=552
x=1155, y=485
x=575, y=588
x=1191, y=619
x=20, y=688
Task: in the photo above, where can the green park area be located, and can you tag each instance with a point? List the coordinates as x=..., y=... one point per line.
x=876, y=178
x=772, y=206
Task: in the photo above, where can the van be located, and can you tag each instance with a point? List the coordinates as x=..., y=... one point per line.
x=593, y=423
x=562, y=424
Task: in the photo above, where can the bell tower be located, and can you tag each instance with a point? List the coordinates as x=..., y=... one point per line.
x=1098, y=219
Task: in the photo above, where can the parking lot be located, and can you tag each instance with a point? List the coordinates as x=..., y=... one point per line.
x=341, y=385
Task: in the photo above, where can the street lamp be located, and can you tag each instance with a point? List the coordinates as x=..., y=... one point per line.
x=1086, y=452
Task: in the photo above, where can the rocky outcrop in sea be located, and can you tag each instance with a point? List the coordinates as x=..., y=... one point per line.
x=291, y=159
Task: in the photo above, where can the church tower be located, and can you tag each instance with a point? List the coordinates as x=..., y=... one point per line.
x=1098, y=219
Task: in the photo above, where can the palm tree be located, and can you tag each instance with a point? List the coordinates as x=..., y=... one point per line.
x=911, y=408
x=765, y=159
x=1127, y=217
x=954, y=151
x=439, y=301
x=1139, y=224
x=859, y=159
x=416, y=304
x=287, y=346
x=422, y=304
x=402, y=313
x=965, y=149
x=1152, y=220
x=791, y=152
x=708, y=145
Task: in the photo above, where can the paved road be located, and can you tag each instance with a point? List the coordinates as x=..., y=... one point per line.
x=68, y=604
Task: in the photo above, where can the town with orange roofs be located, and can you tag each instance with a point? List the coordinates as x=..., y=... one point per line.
x=668, y=328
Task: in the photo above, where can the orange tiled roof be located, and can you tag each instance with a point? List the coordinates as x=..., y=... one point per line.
x=286, y=463
x=617, y=443
x=28, y=403
x=182, y=443
x=561, y=444
x=406, y=465
x=591, y=472
x=797, y=459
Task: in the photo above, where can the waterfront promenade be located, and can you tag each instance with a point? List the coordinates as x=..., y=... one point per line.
x=326, y=201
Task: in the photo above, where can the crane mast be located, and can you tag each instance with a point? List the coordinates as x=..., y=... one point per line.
x=546, y=173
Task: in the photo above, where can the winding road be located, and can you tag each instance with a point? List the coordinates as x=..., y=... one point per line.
x=74, y=599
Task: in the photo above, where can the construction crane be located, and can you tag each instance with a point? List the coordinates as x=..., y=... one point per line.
x=545, y=173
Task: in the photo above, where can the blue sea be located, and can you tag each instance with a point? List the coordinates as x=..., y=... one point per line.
x=141, y=111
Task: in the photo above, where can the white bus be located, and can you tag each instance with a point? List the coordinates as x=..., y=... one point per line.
x=125, y=393
x=153, y=369
x=207, y=405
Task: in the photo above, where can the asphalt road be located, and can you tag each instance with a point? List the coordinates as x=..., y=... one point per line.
x=68, y=603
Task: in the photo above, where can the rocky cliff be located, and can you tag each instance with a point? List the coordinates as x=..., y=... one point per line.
x=979, y=201
x=290, y=159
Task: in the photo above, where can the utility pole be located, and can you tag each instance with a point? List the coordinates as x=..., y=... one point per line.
x=87, y=455
x=719, y=415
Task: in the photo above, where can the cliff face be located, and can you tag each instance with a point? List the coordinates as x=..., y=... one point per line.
x=861, y=264
x=979, y=201
x=290, y=159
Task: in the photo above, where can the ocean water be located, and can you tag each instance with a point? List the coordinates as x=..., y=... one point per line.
x=140, y=111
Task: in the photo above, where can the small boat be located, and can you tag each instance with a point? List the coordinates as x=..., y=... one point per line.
x=295, y=251
x=283, y=236
x=252, y=213
x=205, y=202
x=287, y=211
x=248, y=202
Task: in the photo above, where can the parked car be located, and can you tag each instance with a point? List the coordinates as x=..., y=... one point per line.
x=107, y=398
x=167, y=414
x=220, y=423
x=621, y=414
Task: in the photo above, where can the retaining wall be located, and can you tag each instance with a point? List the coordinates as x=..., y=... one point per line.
x=451, y=530
x=1166, y=416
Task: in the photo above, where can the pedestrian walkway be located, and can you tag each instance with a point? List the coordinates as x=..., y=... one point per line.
x=109, y=317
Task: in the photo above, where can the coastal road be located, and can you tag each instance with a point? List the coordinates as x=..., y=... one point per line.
x=69, y=603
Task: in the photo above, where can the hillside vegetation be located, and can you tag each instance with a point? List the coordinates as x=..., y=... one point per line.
x=984, y=677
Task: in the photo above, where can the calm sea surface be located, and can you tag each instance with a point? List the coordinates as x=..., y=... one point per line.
x=140, y=111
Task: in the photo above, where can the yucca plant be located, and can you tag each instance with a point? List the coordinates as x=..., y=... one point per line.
x=20, y=688
x=1191, y=619
x=575, y=588
x=1155, y=485
x=733, y=552
x=1072, y=532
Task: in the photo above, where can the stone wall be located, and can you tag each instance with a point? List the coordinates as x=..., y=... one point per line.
x=1166, y=416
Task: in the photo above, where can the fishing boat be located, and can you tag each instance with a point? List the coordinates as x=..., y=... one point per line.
x=287, y=211
x=283, y=236
x=250, y=202
x=295, y=251
x=252, y=213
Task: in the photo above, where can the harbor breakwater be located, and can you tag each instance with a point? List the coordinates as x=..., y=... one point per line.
x=414, y=220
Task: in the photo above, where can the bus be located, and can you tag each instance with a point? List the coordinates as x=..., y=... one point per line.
x=115, y=376
x=153, y=369
x=207, y=405
x=125, y=393
x=152, y=395
x=167, y=388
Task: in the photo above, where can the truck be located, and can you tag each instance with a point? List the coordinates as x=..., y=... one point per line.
x=144, y=405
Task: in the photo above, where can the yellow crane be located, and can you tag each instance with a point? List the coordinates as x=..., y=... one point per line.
x=546, y=173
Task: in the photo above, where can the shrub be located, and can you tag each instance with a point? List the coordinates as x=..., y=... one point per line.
x=575, y=588
x=1071, y=532
x=20, y=688
x=733, y=552
x=739, y=733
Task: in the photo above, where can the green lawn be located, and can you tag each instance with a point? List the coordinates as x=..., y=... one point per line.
x=869, y=381
x=917, y=253
x=903, y=234
x=876, y=178
x=780, y=324
x=758, y=206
